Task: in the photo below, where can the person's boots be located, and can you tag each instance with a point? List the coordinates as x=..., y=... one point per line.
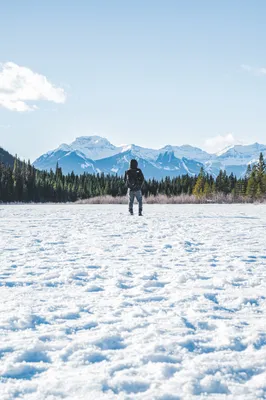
x=140, y=213
x=131, y=212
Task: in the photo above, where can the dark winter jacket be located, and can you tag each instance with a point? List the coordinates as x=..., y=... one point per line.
x=134, y=177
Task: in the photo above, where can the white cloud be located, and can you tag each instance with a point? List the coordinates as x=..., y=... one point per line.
x=254, y=70
x=218, y=143
x=20, y=88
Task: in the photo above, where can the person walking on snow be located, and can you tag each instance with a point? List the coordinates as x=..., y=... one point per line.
x=134, y=180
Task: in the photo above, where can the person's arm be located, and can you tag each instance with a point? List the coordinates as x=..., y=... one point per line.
x=141, y=177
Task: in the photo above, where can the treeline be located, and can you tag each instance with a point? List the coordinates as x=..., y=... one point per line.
x=24, y=183
x=252, y=186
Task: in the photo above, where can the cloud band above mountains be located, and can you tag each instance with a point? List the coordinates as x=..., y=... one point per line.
x=21, y=88
x=219, y=142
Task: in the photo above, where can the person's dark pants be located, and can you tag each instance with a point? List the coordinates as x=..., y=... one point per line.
x=131, y=197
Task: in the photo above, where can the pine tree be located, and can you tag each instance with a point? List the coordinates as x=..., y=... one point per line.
x=207, y=190
x=252, y=185
x=260, y=172
x=248, y=171
x=198, y=190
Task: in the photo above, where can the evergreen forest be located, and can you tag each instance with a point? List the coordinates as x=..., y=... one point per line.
x=21, y=182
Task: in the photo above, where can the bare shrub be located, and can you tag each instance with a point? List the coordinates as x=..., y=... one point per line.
x=218, y=198
x=103, y=200
x=163, y=199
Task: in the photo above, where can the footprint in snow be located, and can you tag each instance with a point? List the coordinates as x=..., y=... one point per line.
x=94, y=289
x=94, y=358
x=124, y=285
x=110, y=343
x=33, y=356
x=21, y=371
x=85, y=357
x=5, y=350
x=212, y=297
x=150, y=299
x=155, y=284
x=191, y=247
x=93, y=266
x=75, y=329
x=167, y=246
x=127, y=386
x=168, y=397
x=160, y=358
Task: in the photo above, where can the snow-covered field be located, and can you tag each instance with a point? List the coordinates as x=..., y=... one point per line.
x=96, y=304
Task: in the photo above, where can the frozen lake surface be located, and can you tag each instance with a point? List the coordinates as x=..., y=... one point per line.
x=96, y=304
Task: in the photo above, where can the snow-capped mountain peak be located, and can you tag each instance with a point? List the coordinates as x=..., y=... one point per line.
x=224, y=150
x=141, y=152
x=63, y=147
x=188, y=152
x=94, y=147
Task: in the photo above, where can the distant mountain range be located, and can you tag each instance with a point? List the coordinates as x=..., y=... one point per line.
x=94, y=154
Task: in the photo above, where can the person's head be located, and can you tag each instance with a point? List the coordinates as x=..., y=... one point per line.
x=133, y=164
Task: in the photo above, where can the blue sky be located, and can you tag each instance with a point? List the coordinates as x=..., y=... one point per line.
x=147, y=72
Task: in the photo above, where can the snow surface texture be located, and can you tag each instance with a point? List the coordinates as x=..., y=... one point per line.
x=96, y=304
